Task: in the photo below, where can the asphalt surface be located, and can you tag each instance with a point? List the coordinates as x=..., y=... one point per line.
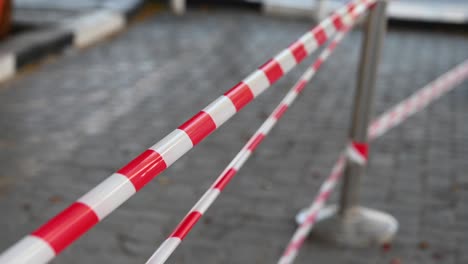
x=67, y=125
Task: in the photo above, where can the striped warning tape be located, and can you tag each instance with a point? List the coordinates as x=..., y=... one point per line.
x=358, y=152
x=50, y=239
x=312, y=211
x=417, y=101
x=191, y=219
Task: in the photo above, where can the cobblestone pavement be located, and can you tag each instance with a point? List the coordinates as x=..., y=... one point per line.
x=68, y=125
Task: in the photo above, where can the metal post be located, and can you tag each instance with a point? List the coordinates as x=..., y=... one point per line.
x=320, y=10
x=370, y=56
x=350, y=224
x=178, y=6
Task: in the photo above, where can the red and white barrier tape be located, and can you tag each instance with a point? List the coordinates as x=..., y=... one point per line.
x=191, y=219
x=355, y=152
x=312, y=211
x=417, y=101
x=53, y=237
x=358, y=152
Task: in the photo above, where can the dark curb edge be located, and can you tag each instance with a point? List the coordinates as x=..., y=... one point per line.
x=257, y=5
x=62, y=37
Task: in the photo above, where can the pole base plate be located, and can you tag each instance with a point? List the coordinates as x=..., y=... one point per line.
x=358, y=227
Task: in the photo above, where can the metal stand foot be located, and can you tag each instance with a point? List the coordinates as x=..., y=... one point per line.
x=360, y=227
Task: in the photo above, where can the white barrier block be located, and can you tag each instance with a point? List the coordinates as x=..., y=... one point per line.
x=96, y=26
x=7, y=66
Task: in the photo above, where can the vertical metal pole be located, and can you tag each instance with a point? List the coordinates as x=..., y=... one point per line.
x=370, y=55
x=350, y=224
x=319, y=9
x=178, y=6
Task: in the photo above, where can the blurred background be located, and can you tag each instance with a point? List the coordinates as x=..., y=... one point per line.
x=85, y=86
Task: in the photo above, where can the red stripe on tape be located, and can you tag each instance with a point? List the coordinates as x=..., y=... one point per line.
x=298, y=50
x=294, y=246
x=319, y=35
x=310, y=219
x=279, y=113
x=317, y=64
x=67, y=226
x=221, y=184
x=433, y=92
x=337, y=22
x=184, y=227
x=351, y=7
x=335, y=174
x=254, y=144
x=362, y=148
x=393, y=116
x=323, y=196
x=332, y=45
x=198, y=127
x=371, y=5
x=240, y=95
x=408, y=107
x=143, y=168
x=272, y=70
x=300, y=86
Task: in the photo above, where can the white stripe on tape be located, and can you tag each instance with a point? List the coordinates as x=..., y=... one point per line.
x=308, y=74
x=325, y=54
x=328, y=27
x=289, y=258
x=286, y=60
x=30, y=249
x=309, y=42
x=206, y=200
x=242, y=158
x=220, y=110
x=108, y=195
x=327, y=186
x=290, y=97
x=173, y=146
x=355, y=155
x=257, y=82
x=267, y=125
x=301, y=232
x=164, y=251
